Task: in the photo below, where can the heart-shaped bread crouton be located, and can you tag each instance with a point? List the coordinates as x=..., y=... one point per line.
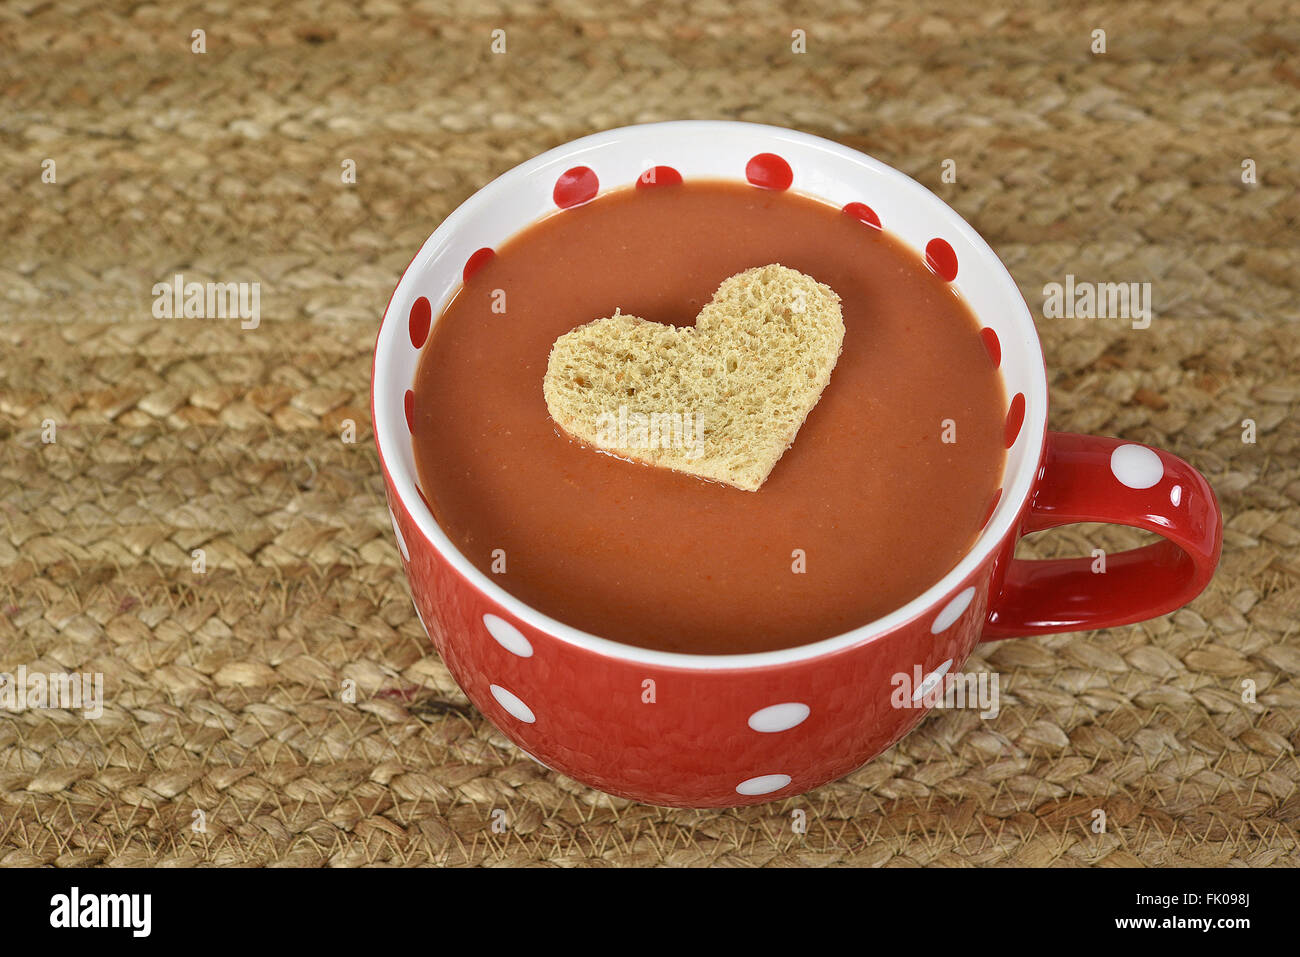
x=722, y=399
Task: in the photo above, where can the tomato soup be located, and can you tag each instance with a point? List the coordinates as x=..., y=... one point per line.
x=884, y=490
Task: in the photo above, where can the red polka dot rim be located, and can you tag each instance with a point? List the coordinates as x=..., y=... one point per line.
x=658, y=176
x=769, y=171
x=940, y=257
x=863, y=213
x=477, y=260
x=574, y=187
x=420, y=318
x=992, y=345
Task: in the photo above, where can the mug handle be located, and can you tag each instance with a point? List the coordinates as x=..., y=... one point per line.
x=1086, y=478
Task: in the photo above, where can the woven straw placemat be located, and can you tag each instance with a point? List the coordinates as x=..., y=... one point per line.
x=223, y=737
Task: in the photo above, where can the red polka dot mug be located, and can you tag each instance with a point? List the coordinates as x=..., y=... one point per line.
x=708, y=731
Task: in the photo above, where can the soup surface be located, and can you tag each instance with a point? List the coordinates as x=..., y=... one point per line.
x=884, y=490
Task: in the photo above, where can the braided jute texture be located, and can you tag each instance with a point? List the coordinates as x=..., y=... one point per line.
x=223, y=688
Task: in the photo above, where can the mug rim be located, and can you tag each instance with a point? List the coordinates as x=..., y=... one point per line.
x=1016, y=491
